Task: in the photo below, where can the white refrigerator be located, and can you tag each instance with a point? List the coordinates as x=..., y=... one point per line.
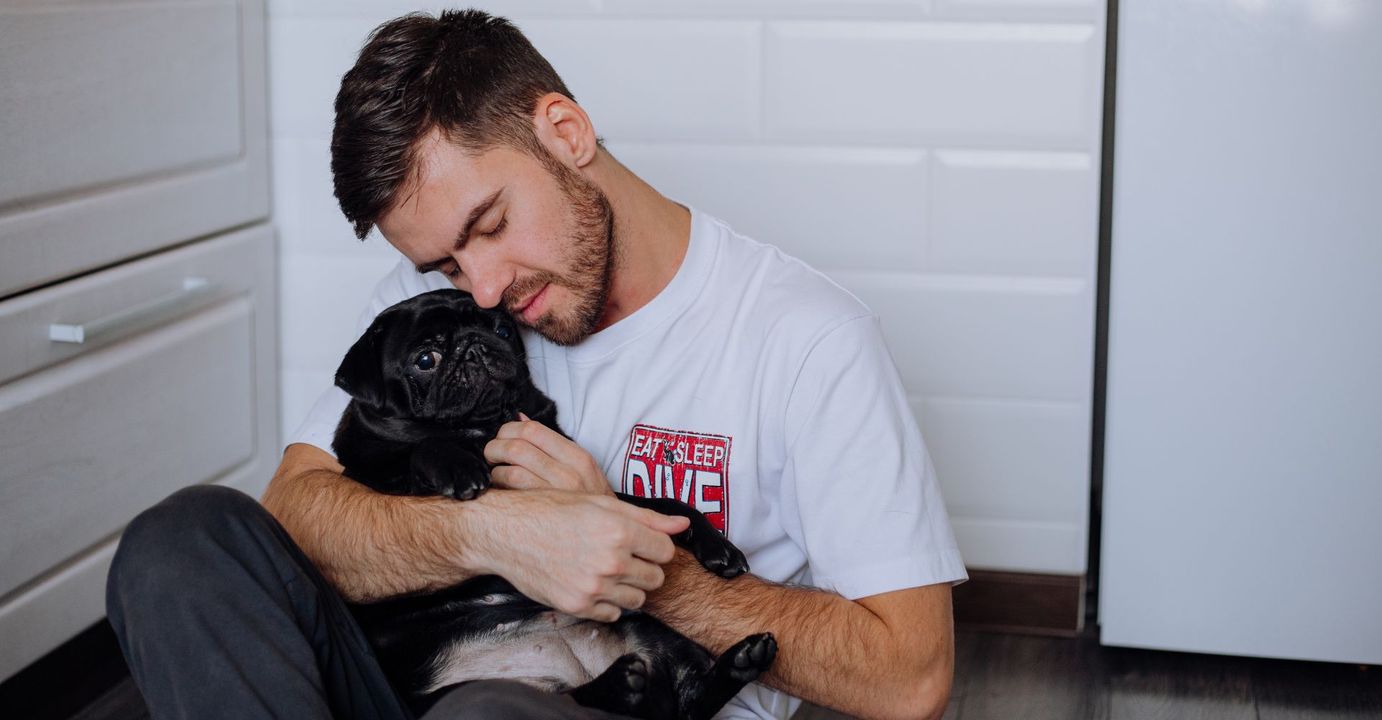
x=1243, y=452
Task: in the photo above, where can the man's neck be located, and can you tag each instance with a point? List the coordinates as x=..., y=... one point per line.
x=651, y=235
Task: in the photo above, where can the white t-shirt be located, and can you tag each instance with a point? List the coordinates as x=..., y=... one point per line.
x=760, y=392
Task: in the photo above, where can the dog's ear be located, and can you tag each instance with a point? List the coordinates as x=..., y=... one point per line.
x=361, y=373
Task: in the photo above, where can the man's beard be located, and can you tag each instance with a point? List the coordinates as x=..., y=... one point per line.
x=590, y=261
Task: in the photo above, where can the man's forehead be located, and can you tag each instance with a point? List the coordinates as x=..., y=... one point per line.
x=448, y=180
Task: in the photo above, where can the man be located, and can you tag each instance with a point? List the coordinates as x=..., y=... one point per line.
x=684, y=359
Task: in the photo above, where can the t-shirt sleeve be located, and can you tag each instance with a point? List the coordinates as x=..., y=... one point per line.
x=402, y=282
x=860, y=489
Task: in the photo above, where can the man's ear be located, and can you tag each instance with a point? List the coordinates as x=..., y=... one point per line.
x=565, y=129
x=361, y=373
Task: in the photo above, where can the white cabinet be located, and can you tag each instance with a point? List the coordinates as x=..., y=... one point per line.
x=127, y=127
x=1243, y=474
x=138, y=348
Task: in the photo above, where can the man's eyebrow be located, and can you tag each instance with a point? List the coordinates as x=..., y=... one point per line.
x=474, y=215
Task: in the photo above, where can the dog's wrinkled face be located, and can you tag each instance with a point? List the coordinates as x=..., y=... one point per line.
x=438, y=356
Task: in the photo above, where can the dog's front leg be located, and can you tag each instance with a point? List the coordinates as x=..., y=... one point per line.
x=440, y=466
x=713, y=550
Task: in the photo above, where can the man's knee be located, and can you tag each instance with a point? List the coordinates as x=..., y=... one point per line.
x=170, y=544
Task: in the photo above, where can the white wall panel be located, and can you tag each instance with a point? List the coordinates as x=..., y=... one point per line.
x=834, y=207
x=984, y=337
x=967, y=83
x=1011, y=472
x=1014, y=213
x=307, y=57
x=378, y=11
x=318, y=330
x=1043, y=448
x=1022, y=545
x=662, y=79
x=306, y=208
x=1020, y=9
x=775, y=9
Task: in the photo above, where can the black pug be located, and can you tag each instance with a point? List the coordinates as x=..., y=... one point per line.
x=431, y=382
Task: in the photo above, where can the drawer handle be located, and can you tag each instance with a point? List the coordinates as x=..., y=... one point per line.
x=193, y=289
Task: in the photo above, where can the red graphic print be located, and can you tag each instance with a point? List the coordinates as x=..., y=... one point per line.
x=691, y=467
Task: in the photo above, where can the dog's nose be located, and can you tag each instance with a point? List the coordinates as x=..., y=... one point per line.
x=476, y=352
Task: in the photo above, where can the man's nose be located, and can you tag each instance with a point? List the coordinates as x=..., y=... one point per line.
x=489, y=278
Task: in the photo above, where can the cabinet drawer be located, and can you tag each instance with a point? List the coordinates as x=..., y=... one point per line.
x=92, y=441
x=116, y=303
x=128, y=127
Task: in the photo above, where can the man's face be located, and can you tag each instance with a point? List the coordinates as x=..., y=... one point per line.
x=510, y=229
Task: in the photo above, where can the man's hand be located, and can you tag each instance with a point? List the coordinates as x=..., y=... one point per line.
x=586, y=555
x=530, y=455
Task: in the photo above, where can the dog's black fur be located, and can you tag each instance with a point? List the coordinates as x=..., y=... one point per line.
x=431, y=382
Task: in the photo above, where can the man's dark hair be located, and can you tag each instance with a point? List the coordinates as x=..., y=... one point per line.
x=471, y=75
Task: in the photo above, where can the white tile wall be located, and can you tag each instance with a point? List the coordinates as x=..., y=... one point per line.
x=994, y=84
x=837, y=207
x=691, y=79
x=938, y=157
x=1013, y=213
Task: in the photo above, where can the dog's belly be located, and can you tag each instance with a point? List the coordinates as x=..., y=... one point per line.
x=551, y=651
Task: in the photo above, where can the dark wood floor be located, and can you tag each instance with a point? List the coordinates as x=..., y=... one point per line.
x=1035, y=678
x=1002, y=677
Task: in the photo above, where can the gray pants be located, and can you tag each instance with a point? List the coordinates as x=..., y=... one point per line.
x=220, y=615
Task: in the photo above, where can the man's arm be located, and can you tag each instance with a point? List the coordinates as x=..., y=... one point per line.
x=886, y=656
x=372, y=546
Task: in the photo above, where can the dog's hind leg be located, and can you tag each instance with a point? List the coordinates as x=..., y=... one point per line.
x=737, y=667
x=631, y=686
x=703, y=684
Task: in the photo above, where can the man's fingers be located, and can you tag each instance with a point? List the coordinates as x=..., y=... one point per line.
x=627, y=597
x=543, y=438
x=521, y=453
x=562, y=464
x=644, y=575
x=654, y=546
x=669, y=524
x=516, y=451
x=606, y=612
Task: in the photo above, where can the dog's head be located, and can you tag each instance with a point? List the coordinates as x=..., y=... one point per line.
x=439, y=356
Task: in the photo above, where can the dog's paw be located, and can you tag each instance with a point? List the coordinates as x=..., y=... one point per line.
x=625, y=688
x=721, y=557
x=630, y=676
x=441, y=469
x=749, y=657
x=467, y=487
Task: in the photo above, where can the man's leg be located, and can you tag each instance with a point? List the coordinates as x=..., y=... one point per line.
x=221, y=615
x=508, y=700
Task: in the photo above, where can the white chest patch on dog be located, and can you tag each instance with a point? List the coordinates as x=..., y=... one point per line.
x=551, y=651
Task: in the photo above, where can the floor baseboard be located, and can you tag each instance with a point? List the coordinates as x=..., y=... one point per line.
x=1028, y=603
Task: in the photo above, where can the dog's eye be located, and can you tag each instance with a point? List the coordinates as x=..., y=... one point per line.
x=427, y=360
x=503, y=331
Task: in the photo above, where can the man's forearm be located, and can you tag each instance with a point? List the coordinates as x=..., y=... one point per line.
x=372, y=546
x=831, y=651
x=585, y=554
